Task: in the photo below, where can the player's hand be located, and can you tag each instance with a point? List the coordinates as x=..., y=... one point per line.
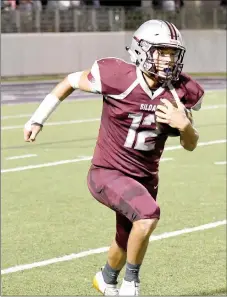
x=31, y=131
x=175, y=117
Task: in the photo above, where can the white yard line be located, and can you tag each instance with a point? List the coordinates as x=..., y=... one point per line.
x=50, y=164
x=61, y=162
x=105, y=249
x=71, y=100
x=54, y=123
x=206, y=107
x=17, y=116
x=177, y=147
x=21, y=157
x=220, y=163
x=166, y=159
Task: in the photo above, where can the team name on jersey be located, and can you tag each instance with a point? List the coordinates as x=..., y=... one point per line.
x=148, y=107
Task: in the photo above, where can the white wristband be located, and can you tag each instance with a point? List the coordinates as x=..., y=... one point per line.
x=45, y=109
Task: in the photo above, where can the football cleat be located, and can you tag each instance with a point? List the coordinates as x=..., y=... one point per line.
x=104, y=288
x=129, y=288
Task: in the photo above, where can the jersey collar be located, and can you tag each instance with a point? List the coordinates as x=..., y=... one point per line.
x=144, y=86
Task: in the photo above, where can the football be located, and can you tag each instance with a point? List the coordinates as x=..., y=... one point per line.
x=165, y=128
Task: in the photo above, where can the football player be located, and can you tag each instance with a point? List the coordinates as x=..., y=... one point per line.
x=142, y=101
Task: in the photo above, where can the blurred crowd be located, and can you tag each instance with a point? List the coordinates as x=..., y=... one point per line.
x=168, y=5
x=43, y=4
x=24, y=16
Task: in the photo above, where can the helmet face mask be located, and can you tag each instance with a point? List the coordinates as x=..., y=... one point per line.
x=162, y=61
x=155, y=51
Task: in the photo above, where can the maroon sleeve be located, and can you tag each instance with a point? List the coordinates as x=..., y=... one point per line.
x=111, y=76
x=193, y=93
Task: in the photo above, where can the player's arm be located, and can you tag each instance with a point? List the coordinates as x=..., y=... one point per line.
x=77, y=80
x=194, y=96
x=188, y=134
x=181, y=119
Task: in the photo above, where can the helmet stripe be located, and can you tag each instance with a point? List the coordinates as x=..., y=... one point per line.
x=172, y=30
x=137, y=39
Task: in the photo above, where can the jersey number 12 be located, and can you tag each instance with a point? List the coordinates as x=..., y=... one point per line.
x=142, y=135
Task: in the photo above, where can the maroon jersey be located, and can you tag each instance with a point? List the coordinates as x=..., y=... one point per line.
x=128, y=139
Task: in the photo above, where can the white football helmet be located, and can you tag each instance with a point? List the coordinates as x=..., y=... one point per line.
x=153, y=36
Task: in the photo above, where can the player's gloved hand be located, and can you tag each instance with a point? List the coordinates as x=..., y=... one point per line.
x=176, y=117
x=31, y=130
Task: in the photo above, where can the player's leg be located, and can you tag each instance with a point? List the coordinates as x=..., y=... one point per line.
x=137, y=246
x=118, y=250
x=135, y=202
x=130, y=198
x=148, y=213
x=116, y=256
x=145, y=212
x=141, y=231
x=106, y=280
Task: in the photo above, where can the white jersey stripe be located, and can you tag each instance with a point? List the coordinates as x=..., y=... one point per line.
x=96, y=83
x=127, y=92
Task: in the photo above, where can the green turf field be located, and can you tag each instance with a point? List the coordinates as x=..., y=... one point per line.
x=47, y=212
